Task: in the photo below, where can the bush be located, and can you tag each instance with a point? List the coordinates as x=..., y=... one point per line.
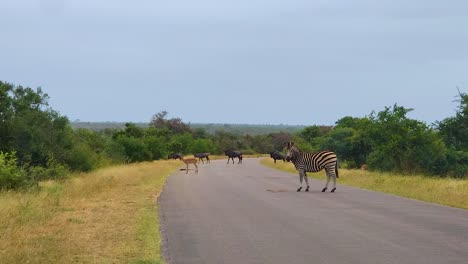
x=457, y=163
x=157, y=147
x=11, y=177
x=53, y=171
x=82, y=158
x=134, y=148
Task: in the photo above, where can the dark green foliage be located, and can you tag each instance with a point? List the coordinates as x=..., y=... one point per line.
x=82, y=158
x=11, y=176
x=454, y=132
x=390, y=141
x=260, y=144
x=157, y=147
x=201, y=145
x=226, y=140
x=135, y=149
x=457, y=162
x=347, y=143
x=279, y=139
x=54, y=171
x=404, y=145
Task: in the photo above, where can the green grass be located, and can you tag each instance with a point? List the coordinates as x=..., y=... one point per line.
x=108, y=216
x=445, y=191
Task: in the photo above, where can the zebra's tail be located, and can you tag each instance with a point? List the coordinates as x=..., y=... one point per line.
x=336, y=169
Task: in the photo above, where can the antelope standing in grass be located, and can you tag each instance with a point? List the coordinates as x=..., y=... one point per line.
x=189, y=161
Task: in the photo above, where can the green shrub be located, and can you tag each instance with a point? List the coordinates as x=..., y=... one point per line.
x=457, y=163
x=54, y=171
x=11, y=176
x=82, y=158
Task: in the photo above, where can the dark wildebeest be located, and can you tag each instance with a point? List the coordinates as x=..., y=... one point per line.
x=202, y=156
x=175, y=156
x=233, y=154
x=276, y=155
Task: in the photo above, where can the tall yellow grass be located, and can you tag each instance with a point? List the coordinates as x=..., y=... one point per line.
x=108, y=216
x=446, y=191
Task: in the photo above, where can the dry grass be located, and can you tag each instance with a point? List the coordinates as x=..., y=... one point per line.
x=108, y=216
x=446, y=191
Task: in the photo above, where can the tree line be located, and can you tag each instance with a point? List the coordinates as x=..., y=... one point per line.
x=37, y=143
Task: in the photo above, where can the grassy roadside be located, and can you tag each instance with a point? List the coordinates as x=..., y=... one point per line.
x=107, y=216
x=446, y=191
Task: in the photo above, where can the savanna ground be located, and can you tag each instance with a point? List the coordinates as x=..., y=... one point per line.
x=446, y=191
x=110, y=216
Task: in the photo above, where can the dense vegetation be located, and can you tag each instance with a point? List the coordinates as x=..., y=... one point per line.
x=390, y=141
x=37, y=143
x=211, y=128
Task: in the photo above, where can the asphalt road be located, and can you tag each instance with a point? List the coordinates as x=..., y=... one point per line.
x=249, y=213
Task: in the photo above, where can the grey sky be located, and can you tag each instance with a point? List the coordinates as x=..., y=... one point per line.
x=245, y=61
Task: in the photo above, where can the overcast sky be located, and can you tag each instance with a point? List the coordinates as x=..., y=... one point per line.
x=242, y=61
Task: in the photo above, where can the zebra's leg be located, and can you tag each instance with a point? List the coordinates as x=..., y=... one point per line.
x=334, y=181
x=196, y=168
x=328, y=180
x=307, y=181
x=301, y=175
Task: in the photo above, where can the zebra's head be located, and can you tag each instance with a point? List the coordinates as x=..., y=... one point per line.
x=291, y=151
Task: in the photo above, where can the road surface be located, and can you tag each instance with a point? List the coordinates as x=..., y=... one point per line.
x=249, y=213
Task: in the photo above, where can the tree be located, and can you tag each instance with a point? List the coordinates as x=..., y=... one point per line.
x=404, y=145
x=350, y=139
x=310, y=133
x=454, y=131
x=31, y=128
x=175, y=125
x=201, y=145
x=279, y=139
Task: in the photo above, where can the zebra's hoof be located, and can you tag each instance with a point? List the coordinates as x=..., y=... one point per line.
x=307, y=189
x=324, y=189
x=300, y=188
x=333, y=190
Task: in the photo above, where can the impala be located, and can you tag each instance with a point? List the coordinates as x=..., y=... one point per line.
x=189, y=161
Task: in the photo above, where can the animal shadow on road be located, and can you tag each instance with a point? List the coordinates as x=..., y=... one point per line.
x=277, y=190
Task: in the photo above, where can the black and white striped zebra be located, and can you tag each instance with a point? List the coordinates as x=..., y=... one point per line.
x=313, y=162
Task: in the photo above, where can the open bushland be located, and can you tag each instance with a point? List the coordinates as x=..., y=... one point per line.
x=446, y=191
x=107, y=216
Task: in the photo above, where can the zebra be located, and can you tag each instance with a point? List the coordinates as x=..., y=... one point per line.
x=233, y=154
x=202, y=156
x=313, y=162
